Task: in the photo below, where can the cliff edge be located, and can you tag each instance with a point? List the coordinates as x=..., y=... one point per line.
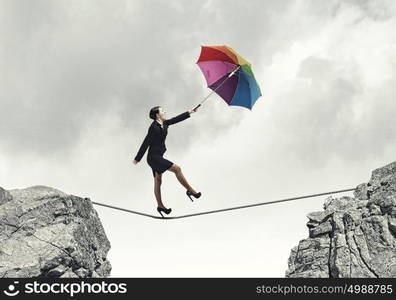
x=352, y=236
x=47, y=233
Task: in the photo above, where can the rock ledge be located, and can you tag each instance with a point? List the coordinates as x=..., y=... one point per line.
x=47, y=233
x=352, y=236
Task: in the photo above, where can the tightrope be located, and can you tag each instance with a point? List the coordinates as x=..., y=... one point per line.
x=220, y=210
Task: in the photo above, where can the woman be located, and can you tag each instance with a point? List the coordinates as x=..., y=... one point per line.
x=155, y=141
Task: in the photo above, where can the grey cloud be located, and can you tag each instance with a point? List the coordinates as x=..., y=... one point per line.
x=376, y=10
x=65, y=61
x=322, y=114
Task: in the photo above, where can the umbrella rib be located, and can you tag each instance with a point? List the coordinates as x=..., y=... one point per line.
x=228, y=77
x=225, y=64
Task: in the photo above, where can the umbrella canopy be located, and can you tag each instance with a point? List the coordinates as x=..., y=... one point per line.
x=229, y=75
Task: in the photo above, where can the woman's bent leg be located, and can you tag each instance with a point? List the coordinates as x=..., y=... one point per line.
x=179, y=174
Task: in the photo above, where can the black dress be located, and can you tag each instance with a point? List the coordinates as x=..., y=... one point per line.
x=155, y=140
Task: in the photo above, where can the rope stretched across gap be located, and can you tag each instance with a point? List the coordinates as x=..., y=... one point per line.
x=220, y=210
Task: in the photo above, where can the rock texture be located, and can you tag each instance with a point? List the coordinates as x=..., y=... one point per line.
x=353, y=236
x=47, y=233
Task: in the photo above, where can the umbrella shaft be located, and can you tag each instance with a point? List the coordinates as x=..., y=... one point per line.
x=229, y=76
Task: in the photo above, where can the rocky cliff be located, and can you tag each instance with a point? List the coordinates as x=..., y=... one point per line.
x=352, y=236
x=47, y=233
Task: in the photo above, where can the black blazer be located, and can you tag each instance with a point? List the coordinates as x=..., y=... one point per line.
x=155, y=138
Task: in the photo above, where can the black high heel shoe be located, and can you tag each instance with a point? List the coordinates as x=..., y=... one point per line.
x=165, y=210
x=189, y=194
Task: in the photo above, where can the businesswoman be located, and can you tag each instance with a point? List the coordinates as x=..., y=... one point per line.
x=155, y=141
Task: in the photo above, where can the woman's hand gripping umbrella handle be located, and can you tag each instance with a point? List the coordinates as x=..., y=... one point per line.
x=228, y=77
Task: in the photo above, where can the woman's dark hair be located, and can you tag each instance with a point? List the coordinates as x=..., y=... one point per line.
x=153, y=112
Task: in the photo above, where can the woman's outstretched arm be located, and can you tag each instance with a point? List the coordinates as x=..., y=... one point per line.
x=178, y=118
x=147, y=142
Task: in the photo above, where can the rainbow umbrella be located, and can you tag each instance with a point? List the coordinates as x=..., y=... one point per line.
x=229, y=75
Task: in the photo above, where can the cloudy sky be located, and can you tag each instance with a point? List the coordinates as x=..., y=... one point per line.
x=77, y=79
